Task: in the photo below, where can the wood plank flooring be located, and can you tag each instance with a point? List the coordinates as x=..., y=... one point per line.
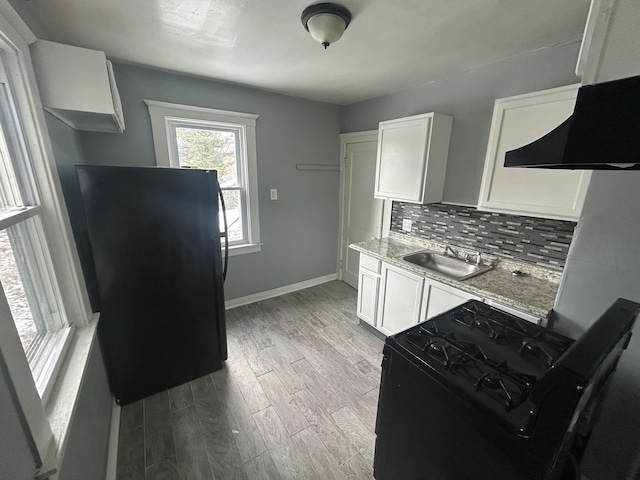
x=297, y=399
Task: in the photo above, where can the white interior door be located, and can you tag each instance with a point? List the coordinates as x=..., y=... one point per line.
x=362, y=214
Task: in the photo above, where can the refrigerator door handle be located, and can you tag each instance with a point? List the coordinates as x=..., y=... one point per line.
x=224, y=234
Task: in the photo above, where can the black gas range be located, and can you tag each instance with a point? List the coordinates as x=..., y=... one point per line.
x=477, y=393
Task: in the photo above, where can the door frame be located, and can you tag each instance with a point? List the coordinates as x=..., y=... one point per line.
x=346, y=139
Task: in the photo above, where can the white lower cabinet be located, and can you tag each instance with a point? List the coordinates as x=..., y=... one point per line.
x=437, y=298
x=392, y=299
x=368, y=286
x=400, y=299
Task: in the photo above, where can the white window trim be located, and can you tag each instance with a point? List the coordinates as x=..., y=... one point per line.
x=160, y=111
x=46, y=427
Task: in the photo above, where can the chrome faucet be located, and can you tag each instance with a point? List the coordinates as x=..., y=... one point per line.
x=453, y=254
x=478, y=258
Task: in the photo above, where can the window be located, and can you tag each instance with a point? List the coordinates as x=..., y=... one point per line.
x=195, y=137
x=44, y=305
x=26, y=269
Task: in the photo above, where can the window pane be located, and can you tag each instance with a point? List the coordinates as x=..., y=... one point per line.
x=235, y=218
x=209, y=149
x=24, y=273
x=9, y=190
x=15, y=293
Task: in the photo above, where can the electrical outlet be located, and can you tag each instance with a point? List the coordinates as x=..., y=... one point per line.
x=273, y=194
x=406, y=224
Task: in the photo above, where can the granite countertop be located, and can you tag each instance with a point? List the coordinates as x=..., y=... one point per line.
x=532, y=293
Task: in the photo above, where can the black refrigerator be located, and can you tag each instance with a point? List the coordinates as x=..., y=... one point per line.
x=156, y=245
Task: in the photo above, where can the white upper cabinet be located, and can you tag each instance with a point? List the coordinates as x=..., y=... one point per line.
x=548, y=193
x=77, y=86
x=611, y=43
x=412, y=158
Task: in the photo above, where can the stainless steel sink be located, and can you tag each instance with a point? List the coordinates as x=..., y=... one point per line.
x=454, y=268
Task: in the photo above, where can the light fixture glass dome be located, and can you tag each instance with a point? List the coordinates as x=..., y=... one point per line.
x=326, y=22
x=326, y=28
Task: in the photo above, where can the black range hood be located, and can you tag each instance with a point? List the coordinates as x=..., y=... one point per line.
x=602, y=134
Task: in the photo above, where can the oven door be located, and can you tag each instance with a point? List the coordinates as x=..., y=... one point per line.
x=426, y=431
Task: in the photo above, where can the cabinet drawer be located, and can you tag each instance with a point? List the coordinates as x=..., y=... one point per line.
x=369, y=263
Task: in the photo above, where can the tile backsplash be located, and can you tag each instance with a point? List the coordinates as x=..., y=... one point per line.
x=537, y=240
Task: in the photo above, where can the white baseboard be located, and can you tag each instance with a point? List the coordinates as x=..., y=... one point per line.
x=256, y=297
x=112, y=456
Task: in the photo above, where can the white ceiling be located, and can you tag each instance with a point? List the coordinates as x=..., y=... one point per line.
x=390, y=45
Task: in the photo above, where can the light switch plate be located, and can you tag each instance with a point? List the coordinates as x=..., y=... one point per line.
x=273, y=194
x=406, y=224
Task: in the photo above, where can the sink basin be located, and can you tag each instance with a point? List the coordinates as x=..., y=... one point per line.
x=445, y=265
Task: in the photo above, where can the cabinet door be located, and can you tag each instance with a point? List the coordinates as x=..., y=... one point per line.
x=412, y=158
x=401, y=158
x=438, y=298
x=368, y=285
x=400, y=299
x=518, y=121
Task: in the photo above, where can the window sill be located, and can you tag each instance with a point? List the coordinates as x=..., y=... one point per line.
x=244, y=249
x=48, y=357
x=60, y=408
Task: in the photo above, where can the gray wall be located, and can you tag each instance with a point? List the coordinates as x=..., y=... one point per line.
x=603, y=265
x=87, y=450
x=67, y=151
x=88, y=447
x=86, y=454
x=469, y=98
x=299, y=230
x=16, y=460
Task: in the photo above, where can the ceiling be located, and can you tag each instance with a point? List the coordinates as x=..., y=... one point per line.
x=390, y=45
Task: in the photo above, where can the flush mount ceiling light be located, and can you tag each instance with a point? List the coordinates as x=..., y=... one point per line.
x=326, y=22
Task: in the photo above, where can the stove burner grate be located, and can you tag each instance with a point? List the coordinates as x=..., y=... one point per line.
x=468, y=361
x=505, y=329
x=545, y=346
x=442, y=347
x=495, y=379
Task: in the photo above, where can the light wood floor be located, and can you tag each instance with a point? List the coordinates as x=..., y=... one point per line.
x=296, y=400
